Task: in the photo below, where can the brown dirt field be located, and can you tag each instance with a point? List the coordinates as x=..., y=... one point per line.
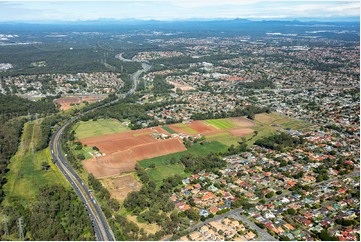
x=120, y=186
x=216, y=132
x=181, y=86
x=240, y=132
x=114, y=145
x=65, y=102
x=264, y=118
x=125, y=160
x=242, y=122
x=177, y=129
x=158, y=129
x=201, y=127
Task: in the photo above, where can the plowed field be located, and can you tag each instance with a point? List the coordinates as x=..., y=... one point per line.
x=125, y=157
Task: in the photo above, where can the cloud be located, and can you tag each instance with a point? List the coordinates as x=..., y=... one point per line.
x=175, y=9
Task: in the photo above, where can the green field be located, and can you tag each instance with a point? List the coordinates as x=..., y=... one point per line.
x=225, y=138
x=159, y=173
x=268, y=124
x=221, y=123
x=95, y=128
x=196, y=149
x=169, y=130
x=26, y=175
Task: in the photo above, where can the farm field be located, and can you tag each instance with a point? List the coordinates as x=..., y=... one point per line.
x=27, y=175
x=169, y=130
x=221, y=123
x=123, y=149
x=99, y=127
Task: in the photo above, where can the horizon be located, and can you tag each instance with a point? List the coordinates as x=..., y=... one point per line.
x=172, y=10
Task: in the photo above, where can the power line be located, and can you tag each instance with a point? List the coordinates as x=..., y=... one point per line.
x=21, y=232
x=5, y=225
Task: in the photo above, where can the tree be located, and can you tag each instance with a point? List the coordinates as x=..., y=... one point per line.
x=291, y=211
x=192, y=214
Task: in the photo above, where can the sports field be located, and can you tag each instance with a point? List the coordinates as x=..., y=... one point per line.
x=99, y=127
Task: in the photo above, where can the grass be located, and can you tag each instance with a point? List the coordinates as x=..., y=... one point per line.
x=268, y=124
x=161, y=172
x=186, y=128
x=99, y=127
x=26, y=175
x=196, y=149
x=169, y=130
x=85, y=151
x=221, y=123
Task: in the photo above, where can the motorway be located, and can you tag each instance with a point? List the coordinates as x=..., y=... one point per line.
x=102, y=229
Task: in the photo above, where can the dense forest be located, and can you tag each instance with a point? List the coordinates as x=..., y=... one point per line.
x=279, y=141
x=55, y=214
x=248, y=111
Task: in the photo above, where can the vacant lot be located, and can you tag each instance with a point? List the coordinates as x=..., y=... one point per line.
x=99, y=127
x=159, y=173
x=120, y=186
x=66, y=102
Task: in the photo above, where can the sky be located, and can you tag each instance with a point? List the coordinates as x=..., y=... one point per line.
x=176, y=9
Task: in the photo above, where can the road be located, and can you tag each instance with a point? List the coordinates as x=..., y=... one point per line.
x=102, y=229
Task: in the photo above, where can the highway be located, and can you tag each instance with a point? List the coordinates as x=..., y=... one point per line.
x=102, y=229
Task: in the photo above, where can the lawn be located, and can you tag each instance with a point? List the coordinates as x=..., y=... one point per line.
x=99, y=127
x=161, y=172
x=86, y=151
x=196, y=149
x=26, y=175
x=221, y=123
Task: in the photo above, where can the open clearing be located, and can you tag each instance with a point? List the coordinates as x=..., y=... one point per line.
x=159, y=173
x=148, y=228
x=267, y=124
x=196, y=149
x=120, y=186
x=66, y=102
x=26, y=175
x=99, y=127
